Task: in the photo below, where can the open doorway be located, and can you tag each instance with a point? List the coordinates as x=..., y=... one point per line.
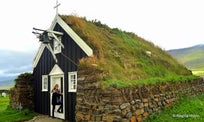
x=57, y=79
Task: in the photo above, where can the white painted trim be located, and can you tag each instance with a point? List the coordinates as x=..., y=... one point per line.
x=56, y=70
x=69, y=83
x=59, y=47
x=44, y=76
x=51, y=51
x=73, y=35
x=44, y=90
x=38, y=55
x=56, y=114
x=54, y=22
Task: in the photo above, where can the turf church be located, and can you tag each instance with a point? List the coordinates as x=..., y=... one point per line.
x=56, y=63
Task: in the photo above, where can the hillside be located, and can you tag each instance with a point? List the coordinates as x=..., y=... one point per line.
x=123, y=55
x=6, y=84
x=192, y=57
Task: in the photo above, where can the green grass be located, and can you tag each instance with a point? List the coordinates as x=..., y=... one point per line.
x=4, y=102
x=192, y=57
x=121, y=55
x=198, y=72
x=7, y=114
x=188, y=110
x=121, y=84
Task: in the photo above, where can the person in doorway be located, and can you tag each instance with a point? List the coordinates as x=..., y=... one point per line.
x=56, y=99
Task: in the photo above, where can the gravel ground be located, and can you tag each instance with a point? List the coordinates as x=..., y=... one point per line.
x=44, y=118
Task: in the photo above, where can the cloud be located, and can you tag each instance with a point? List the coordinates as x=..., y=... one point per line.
x=5, y=74
x=13, y=63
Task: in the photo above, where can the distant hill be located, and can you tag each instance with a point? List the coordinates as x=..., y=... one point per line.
x=192, y=57
x=7, y=84
x=123, y=55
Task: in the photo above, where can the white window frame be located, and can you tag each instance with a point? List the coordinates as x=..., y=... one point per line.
x=56, y=46
x=44, y=80
x=72, y=82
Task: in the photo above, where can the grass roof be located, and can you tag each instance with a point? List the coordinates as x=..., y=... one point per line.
x=123, y=56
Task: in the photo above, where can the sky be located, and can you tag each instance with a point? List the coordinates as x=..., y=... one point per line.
x=169, y=24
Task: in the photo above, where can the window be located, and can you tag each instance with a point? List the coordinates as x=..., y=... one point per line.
x=72, y=81
x=44, y=83
x=57, y=46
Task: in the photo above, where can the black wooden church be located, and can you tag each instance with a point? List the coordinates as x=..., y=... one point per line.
x=58, y=66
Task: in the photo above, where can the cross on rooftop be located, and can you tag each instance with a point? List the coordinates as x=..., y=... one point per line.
x=56, y=6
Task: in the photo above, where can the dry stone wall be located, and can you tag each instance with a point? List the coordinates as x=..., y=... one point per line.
x=95, y=103
x=22, y=95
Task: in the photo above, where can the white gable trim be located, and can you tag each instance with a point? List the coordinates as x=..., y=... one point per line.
x=56, y=70
x=38, y=55
x=73, y=35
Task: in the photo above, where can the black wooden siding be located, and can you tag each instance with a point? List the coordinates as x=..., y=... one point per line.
x=45, y=65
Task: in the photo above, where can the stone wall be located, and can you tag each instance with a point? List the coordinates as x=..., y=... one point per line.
x=22, y=95
x=95, y=103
